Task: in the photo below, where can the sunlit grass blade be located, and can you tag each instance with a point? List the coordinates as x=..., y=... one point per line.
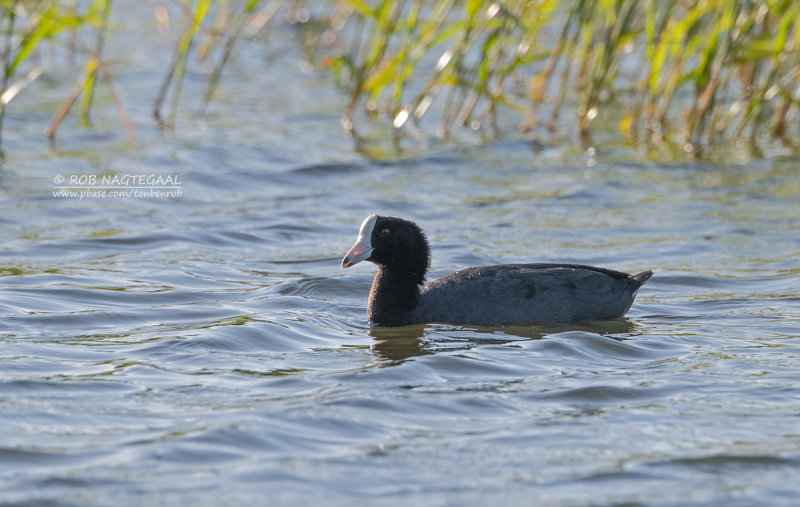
x=99, y=10
x=174, y=76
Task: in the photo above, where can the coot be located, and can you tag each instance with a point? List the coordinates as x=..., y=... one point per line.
x=490, y=295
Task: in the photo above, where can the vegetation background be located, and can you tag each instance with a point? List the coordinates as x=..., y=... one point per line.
x=685, y=76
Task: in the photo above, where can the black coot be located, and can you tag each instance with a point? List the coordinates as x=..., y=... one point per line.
x=491, y=295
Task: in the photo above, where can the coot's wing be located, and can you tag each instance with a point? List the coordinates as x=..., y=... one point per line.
x=527, y=293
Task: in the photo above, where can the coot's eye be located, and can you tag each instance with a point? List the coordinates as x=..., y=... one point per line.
x=384, y=232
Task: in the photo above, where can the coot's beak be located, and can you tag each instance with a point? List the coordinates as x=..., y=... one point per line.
x=362, y=250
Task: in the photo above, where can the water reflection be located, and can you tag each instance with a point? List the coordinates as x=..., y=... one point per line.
x=396, y=344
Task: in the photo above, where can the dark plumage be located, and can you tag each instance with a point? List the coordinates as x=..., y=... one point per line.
x=489, y=295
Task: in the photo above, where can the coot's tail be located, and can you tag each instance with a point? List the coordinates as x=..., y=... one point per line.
x=641, y=278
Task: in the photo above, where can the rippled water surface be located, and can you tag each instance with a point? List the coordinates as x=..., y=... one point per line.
x=207, y=349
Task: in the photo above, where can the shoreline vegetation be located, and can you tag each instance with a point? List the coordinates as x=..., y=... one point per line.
x=691, y=74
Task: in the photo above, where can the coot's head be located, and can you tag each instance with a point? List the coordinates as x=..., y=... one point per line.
x=391, y=243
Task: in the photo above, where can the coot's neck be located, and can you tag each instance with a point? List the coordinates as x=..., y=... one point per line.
x=394, y=295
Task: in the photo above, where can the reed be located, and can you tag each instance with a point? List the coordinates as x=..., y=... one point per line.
x=28, y=25
x=693, y=71
x=690, y=72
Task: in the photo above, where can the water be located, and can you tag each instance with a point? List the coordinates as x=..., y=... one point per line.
x=208, y=349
